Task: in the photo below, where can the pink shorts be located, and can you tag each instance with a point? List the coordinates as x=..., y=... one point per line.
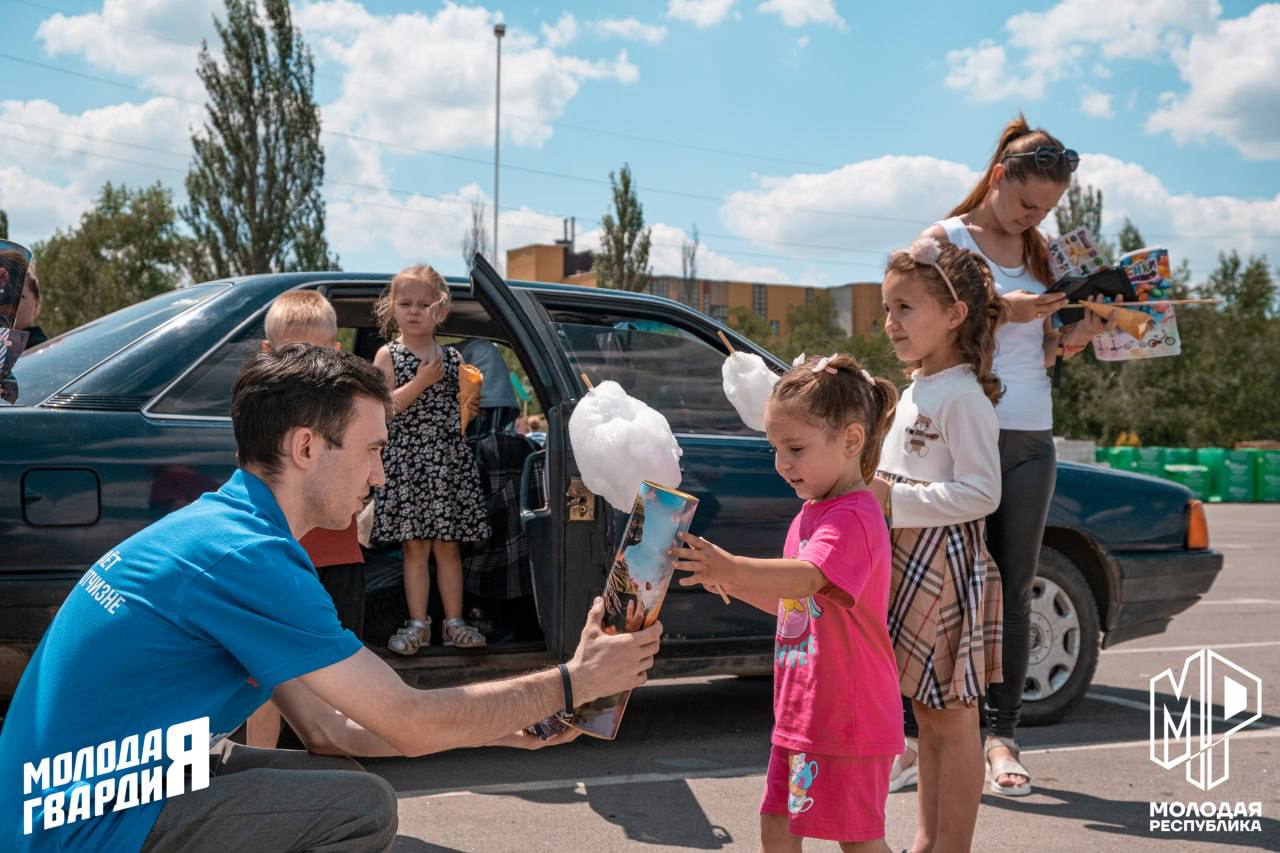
x=831, y=797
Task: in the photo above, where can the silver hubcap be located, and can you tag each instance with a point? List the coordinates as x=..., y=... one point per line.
x=1055, y=640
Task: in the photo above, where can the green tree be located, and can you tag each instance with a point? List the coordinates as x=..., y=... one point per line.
x=1129, y=238
x=253, y=186
x=126, y=248
x=1083, y=206
x=751, y=326
x=4, y=225
x=623, y=260
x=812, y=328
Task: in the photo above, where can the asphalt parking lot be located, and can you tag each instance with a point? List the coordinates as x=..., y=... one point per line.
x=687, y=769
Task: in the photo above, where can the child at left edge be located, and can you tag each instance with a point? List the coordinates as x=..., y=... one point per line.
x=837, y=712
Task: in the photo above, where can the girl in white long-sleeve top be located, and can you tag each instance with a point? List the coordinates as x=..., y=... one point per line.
x=939, y=478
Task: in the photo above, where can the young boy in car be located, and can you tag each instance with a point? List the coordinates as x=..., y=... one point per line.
x=305, y=316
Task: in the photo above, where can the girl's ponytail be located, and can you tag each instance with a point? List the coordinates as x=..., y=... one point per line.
x=885, y=396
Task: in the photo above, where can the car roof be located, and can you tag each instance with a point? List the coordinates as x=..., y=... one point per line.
x=280, y=282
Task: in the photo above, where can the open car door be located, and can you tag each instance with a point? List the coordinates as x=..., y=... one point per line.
x=566, y=532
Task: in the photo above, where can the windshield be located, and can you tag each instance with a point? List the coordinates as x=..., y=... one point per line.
x=49, y=367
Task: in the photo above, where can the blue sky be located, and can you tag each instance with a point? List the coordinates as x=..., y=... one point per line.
x=805, y=138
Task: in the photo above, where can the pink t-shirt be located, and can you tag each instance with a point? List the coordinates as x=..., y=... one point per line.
x=835, y=679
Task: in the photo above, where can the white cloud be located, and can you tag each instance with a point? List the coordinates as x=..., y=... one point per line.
x=402, y=230
x=1055, y=44
x=700, y=13
x=563, y=32
x=1233, y=76
x=802, y=42
x=984, y=73
x=442, y=98
x=630, y=29
x=665, y=257
x=879, y=205
x=156, y=41
x=55, y=163
x=37, y=207
x=798, y=13
x=1191, y=226
x=1095, y=104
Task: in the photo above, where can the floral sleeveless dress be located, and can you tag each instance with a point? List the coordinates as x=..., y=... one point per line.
x=432, y=488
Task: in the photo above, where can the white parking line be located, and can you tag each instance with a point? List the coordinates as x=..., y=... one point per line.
x=1132, y=744
x=1223, y=601
x=1214, y=646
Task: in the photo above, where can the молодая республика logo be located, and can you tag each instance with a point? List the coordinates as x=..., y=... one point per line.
x=1186, y=732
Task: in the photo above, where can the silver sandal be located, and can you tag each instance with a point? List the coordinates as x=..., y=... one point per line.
x=1005, y=767
x=458, y=633
x=415, y=634
x=902, y=774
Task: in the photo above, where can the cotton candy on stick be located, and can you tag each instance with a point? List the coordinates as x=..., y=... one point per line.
x=619, y=442
x=748, y=382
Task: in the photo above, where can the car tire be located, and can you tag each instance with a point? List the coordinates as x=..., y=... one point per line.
x=1065, y=640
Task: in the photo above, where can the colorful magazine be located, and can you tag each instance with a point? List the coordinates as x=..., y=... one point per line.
x=637, y=585
x=1074, y=253
x=1148, y=270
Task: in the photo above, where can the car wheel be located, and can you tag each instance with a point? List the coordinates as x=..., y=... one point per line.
x=1064, y=640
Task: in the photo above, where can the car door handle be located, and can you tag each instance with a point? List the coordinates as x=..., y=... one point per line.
x=528, y=514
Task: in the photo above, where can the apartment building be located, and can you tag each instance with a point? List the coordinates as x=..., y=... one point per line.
x=857, y=304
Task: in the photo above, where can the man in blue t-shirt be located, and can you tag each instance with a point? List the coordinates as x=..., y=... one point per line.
x=176, y=635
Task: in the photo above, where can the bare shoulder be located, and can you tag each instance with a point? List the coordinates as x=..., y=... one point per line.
x=937, y=232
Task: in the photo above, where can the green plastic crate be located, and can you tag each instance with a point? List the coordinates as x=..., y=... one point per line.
x=1238, y=479
x=1180, y=456
x=1100, y=454
x=1150, y=460
x=1194, y=477
x=1213, y=458
x=1267, y=482
x=1123, y=458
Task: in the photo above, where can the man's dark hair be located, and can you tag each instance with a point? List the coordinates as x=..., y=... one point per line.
x=298, y=385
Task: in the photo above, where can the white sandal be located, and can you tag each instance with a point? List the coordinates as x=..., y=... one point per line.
x=458, y=633
x=415, y=634
x=903, y=775
x=1006, y=767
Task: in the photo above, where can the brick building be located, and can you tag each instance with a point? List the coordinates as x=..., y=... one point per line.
x=857, y=304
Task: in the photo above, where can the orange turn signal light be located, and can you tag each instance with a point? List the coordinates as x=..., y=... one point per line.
x=1197, y=527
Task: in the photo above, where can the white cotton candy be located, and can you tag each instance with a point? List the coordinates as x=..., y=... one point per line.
x=748, y=382
x=618, y=442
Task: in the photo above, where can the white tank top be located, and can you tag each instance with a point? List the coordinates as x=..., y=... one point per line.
x=1019, y=360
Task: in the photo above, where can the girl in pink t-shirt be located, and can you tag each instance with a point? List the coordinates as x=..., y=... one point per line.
x=837, y=713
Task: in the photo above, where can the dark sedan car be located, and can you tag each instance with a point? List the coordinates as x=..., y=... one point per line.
x=125, y=419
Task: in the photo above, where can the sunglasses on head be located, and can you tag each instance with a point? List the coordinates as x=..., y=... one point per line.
x=1046, y=157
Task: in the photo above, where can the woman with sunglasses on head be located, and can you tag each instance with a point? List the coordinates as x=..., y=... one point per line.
x=998, y=221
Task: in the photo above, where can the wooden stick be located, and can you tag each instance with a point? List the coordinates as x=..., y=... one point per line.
x=587, y=381
x=724, y=339
x=723, y=596
x=1175, y=302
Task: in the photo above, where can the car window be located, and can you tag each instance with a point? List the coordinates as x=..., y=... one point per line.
x=206, y=390
x=669, y=368
x=51, y=366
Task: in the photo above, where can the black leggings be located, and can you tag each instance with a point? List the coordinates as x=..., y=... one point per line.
x=1028, y=469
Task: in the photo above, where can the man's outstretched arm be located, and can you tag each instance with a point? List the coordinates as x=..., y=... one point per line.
x=407, y=721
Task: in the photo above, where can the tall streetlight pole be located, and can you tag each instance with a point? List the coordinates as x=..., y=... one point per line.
x=499, y=30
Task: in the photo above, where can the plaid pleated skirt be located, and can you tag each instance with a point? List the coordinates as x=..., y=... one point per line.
x=945, y=614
